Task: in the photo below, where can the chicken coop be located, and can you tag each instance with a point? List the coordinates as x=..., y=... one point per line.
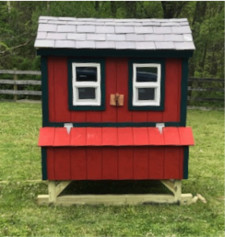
x=114, y=103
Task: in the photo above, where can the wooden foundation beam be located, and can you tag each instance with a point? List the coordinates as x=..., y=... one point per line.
x=55, y=189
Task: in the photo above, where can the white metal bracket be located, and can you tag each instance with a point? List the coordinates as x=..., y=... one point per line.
x=160, y=126
x=68, y=127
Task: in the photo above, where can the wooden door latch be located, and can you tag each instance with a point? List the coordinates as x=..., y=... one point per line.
x=117, y=99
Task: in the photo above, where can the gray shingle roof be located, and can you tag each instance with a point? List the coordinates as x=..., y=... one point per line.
x=91, y=33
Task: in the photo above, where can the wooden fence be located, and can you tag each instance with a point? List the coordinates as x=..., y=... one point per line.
x=205, y=90
x=200, y=90
x=13, y=80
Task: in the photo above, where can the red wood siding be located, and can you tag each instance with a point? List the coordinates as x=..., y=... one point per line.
x=116, y=80
x=115, y=163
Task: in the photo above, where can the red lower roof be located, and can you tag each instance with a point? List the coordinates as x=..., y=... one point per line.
x=114, y=136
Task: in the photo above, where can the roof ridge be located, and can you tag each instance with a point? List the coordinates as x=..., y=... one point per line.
x=112, y=19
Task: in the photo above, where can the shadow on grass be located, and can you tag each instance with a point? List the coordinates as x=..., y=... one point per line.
x=116, y=187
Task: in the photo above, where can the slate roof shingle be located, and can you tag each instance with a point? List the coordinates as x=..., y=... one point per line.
x=149, y=34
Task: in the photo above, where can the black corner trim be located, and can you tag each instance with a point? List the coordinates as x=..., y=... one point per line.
x=184, y=87
x=44, y=79
x=44, y=163
x=185, y=164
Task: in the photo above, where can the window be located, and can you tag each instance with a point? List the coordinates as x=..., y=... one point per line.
x=146, y=89
x=87, y=92
x=86, y=84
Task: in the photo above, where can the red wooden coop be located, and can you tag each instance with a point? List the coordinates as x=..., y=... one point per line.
x=114, y=98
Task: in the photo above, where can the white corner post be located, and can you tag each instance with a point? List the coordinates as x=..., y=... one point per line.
x=54, y=189
x=175, y=187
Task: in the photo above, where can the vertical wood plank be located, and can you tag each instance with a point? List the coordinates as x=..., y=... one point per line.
x=109, y=163
x=94, y=116
x=94, y=163
x=50, y=163
x=125, y=163
x=123, y=114
x=140, y=164
x=181, y=162
x=62, y=113
x=78, y=164
x=155, y=116
x=139, y=116
x=78, y=116
x=172, y=90
x=156, y=162
x=51, y=90
x=172, y=163
x=109, y=115
x=62, y=163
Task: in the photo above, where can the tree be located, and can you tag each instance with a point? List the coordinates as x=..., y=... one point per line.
x=113, y=8
x=172, y=9
x=131, y=9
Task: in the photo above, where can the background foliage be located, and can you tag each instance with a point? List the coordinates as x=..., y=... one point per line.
x=18, y=25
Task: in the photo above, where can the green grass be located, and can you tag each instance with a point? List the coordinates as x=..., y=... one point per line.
x=20, y=164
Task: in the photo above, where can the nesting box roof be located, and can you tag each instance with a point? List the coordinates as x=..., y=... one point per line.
x=112, y=136
x=119, y=34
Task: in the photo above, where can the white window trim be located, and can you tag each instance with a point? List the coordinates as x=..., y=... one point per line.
x=156, y=85
x=77, y=84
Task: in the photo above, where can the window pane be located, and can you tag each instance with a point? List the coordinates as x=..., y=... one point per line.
x=86, y=73
x=146, y=74
x=146, y=93
x=86, y=93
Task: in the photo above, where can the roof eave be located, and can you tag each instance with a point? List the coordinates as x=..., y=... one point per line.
x=156, y=53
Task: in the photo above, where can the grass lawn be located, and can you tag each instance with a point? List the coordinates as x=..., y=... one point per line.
x=20, y=171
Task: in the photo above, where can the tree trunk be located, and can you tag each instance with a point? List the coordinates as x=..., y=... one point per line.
x=8, y=6
x=172, y=9
x=131, y=9
x=96, y=6
x=202, y=63
x=48, y=5
x=199, y=15
x=113, y=8
x=200, y=10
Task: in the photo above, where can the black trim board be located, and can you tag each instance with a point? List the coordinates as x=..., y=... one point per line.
x=44, y=163
x=44, y=83
x=115, y=53
x=184, y=88
x=185, y=162
x=45, y=119
x=110, y=124
x=183, y=112
x=70, y=85
x=130, y=86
